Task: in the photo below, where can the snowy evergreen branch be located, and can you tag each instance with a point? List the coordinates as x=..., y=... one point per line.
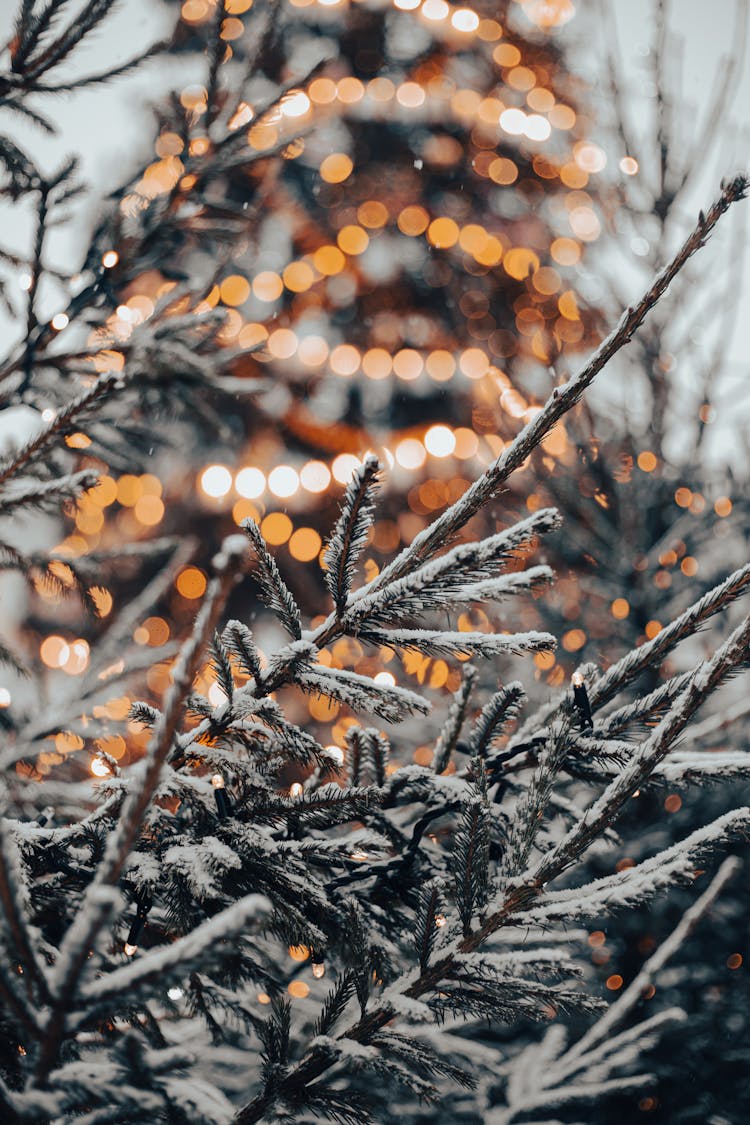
x=449, y=735
x=350, y=533
x=651, y=752
x=563, y=398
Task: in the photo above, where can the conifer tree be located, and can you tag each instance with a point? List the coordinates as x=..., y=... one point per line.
x=157, y=932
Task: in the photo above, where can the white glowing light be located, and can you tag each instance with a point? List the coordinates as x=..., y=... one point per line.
x=513, y=121
x=215, y=695
x=283, y=481
x=315, y=476
x=343, y=467
x=99, y=768
x=435, y=10
x=440, y=441
x=463, y=19
x=175, y=993
x=250, y=483
x=216, y=481
x=336, y=754
x=385, y=678
x=410, y=454
x=295, y=789
x=60, y=321
x=129, y=950
x=296, y=105
x=537, y=128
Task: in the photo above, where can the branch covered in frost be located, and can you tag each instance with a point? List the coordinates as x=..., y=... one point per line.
x=428, y=542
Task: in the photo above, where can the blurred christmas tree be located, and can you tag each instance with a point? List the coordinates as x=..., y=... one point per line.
x=655, y=500
x=384, y=206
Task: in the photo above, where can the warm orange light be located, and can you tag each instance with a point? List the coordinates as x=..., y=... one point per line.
x=520, y=262
x=234, y=290
x=298, y=277
x=562, y=117
x=410, y=95
x=322, y=91
x=377, y=363
x=350, y=90
x=440, y=365
x=149, y=510
x=443, y=233
x=305, y=544
x=573, y=640
x=312, y=351
x=267, y=286
x=620, y=608
x=467, y=443
x=505, y=55
x=414, y=220
x=276, y=528
x=474, y=363
x=503, y=171
x=54, y=651
x=565, y=251
x=353, y=240
x=191, y=583
x=252, y=335
x=408, y=364
x=282, y=343
x=345, y=359
x=336, y=168
x=372, y=214
x=328, y=260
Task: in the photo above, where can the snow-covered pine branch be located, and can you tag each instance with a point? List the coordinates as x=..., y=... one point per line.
x=350, y=533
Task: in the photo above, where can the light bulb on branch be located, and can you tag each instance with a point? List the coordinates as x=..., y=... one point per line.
x=223, y=804
x=582, y=704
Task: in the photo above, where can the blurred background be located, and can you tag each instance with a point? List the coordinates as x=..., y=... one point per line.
x=442, y=218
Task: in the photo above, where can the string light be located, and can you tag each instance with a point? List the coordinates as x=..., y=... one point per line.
x=143, y=906
x=318, y=964
x=223, y=804
x=582, y=704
